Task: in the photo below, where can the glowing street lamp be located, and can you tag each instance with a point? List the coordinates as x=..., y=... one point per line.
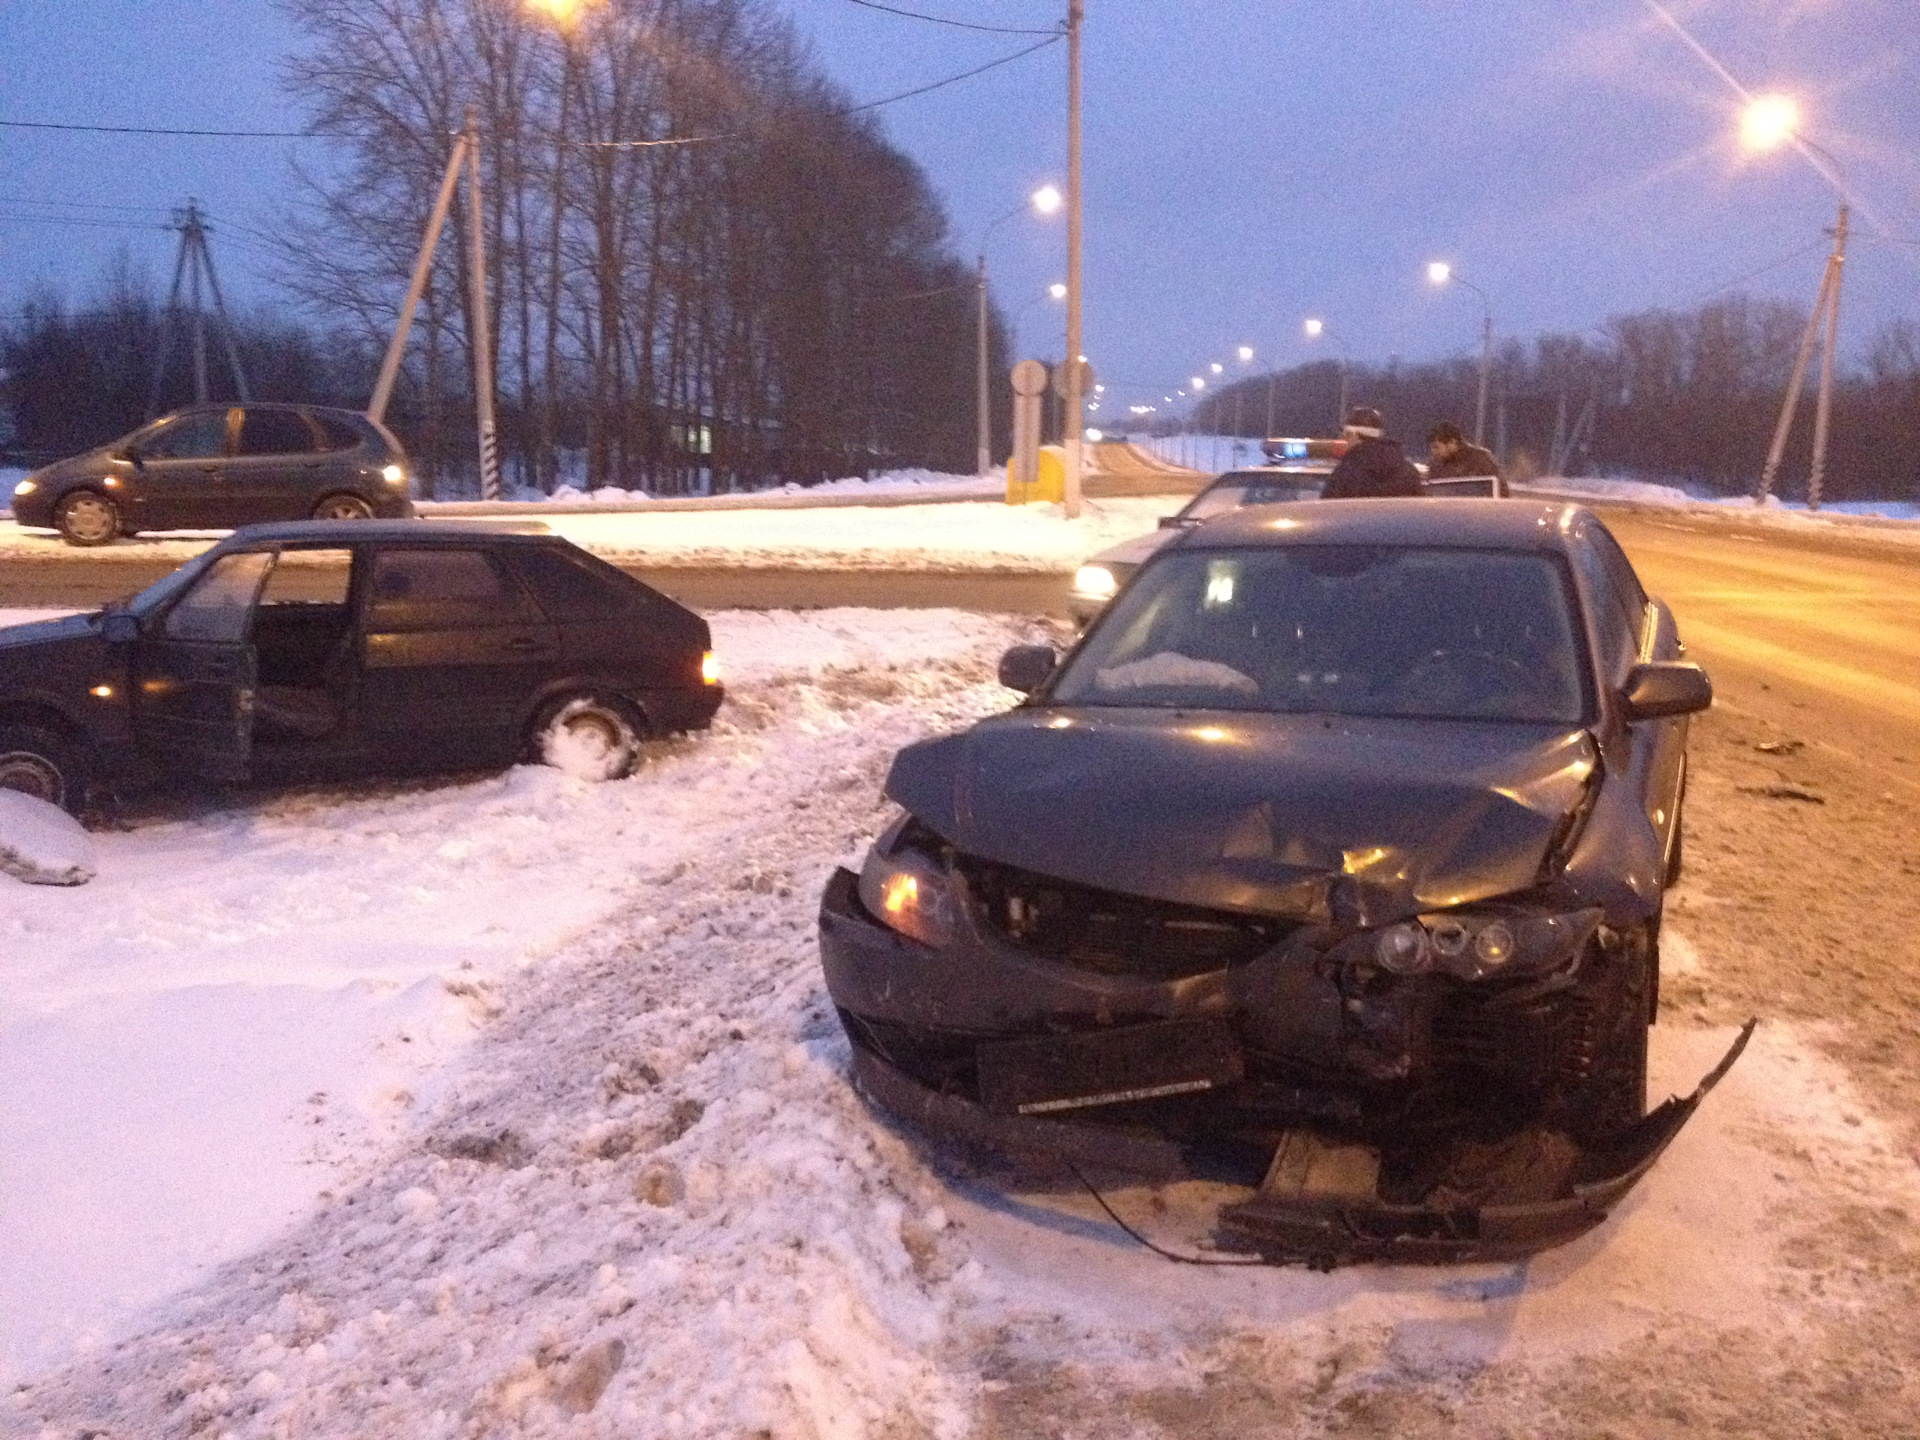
x=1440, y=273
x=1314, y=328
x=1047, y=200
x=1246, y=354
x=1768, y=122
x=1058, y=290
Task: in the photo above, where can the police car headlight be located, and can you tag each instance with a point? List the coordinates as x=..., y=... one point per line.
x=394, y=475
x=1095, y=581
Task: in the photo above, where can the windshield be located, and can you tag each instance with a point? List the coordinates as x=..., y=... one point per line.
x=1341, y=630
x=168, y=586
x=1253, y=487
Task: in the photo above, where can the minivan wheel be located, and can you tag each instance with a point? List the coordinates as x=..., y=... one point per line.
x=343, y=507
x=86, y=517
x=590, y=739
x=39, y=763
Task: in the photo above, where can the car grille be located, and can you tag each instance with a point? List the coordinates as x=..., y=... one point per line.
x=1110, y=933
x=1535, y=1044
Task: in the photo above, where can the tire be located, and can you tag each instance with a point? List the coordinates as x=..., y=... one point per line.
x=87, y=518
x=39, y=762
x=343, y=507
x=1612, y=1095
x=589, y=738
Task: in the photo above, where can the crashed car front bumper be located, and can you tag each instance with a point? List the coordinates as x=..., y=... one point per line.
x=1553, y=1191
x=968, y=1062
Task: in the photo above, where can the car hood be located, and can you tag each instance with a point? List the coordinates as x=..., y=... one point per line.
x=1136, y=550
x=1311, y=817
x=45, y=632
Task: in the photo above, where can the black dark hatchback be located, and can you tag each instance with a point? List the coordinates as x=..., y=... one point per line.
x=334, y=649
x=215, y=467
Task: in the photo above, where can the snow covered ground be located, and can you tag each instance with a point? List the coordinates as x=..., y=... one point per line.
x=968, y=536
x=515, y=1106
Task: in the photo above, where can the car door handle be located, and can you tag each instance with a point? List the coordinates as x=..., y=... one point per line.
x=525, y=644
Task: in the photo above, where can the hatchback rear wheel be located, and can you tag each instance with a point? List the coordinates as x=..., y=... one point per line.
x=86, y=517
x=343, y=507
x=590, y=738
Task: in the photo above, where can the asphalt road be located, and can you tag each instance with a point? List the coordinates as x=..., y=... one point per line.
x=1819, y=636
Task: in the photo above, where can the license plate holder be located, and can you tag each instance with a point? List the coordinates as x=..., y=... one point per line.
x=1055, y=1074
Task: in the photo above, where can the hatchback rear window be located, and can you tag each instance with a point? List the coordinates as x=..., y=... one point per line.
x=274, y=432
x=568, y=586
x=429, y=589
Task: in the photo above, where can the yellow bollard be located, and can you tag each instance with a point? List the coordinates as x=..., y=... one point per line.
x=1051, y=483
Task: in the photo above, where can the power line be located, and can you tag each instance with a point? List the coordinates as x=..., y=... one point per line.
x=1054, y=39
x=956, y=24
x=158, y=130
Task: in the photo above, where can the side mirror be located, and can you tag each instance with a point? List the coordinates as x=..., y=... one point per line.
x=119, y=627
x=133, y=457
x=1666, y=687
x=1172, y=522
x=1027, y=667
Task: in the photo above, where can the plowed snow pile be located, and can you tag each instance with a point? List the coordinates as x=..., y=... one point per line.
x=644, y=1201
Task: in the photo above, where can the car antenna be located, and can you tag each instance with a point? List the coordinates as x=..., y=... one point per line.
x=1160, y=1250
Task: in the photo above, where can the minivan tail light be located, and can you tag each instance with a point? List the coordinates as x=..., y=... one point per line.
x=709, y=669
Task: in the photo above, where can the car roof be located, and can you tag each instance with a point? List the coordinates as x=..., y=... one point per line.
x=1483, y=524
x=412, y=532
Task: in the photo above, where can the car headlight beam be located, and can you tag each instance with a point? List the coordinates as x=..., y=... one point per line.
x=25, y=487
x=1095, y=581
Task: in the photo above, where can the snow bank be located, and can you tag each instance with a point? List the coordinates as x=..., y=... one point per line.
x=249, y=1001
x=1648, y=492
x=42, y=844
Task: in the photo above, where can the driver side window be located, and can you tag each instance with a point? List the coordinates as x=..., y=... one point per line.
x=192, y=437
x=220, y=605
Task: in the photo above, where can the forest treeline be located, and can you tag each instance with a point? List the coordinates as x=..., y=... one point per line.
x=705, y=266
x=1688, y=395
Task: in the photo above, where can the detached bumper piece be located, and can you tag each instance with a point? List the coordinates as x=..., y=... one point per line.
x=1320, y=1204
x=1498, y=1201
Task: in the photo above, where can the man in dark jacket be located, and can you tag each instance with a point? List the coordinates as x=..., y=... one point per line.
x=1373, y=465
x=1450, y=457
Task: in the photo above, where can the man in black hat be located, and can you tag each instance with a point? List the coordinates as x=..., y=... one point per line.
x=1373, y=464
x=1451, y=457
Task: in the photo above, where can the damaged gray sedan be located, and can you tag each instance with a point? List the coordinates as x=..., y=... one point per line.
x=1331, y=861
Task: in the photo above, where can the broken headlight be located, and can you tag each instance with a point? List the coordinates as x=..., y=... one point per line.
x=908, y=890
x=1475, y=945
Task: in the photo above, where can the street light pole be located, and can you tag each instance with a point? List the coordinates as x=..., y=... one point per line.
x=1440, y=273
x=983, y=432
x=1075, y=416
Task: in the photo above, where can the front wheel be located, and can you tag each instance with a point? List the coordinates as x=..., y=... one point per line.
x=1618, y=997
x=343, y=507
x=590, y=739
x=40, y=763
x=88, y=518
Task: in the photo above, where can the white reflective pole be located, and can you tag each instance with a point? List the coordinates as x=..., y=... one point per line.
x=1076, y=422
x=482, y=326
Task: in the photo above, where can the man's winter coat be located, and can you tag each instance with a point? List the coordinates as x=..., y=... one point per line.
x=1373, y=468
x=1467, y=462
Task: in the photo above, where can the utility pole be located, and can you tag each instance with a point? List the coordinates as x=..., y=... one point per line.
x=482, y=321
x=193, y=264
x=1486, y=371
x=983, y=432
x=1826, y=309
x=465, y=153
x=1076, y=415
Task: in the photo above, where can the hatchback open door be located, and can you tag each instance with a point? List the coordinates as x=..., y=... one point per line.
x=195, y=672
